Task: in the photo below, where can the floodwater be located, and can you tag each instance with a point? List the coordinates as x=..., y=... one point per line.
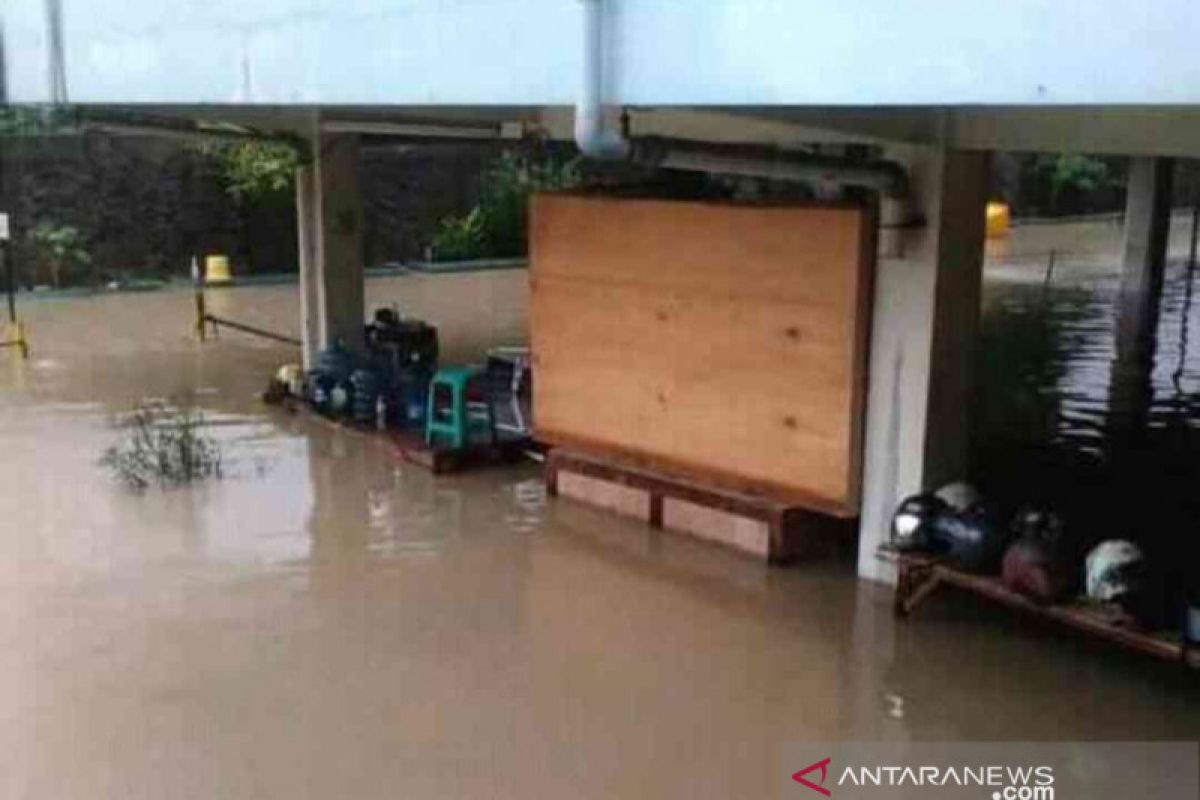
x=326, y=622
x=1072, y=412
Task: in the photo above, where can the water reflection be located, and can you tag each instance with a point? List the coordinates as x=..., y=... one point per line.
x=1079, y=408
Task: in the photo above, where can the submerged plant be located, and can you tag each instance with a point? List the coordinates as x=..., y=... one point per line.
x=162, y=444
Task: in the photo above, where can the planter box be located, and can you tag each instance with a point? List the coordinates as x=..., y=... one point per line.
x=473, y=265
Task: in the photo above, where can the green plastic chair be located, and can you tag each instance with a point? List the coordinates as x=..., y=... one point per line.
x=454, y=423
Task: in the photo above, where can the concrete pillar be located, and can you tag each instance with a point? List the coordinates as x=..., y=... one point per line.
x=924, y=324
x=306, y=250
x=339, y=249
x=329, y=224
x=1147, y=225
x=1144, y=252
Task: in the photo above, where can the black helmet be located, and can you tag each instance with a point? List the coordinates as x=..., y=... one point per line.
x=913, y=522
x=972, y=539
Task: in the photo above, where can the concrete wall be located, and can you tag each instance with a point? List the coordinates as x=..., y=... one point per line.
x=526, y=52
x=922, y=341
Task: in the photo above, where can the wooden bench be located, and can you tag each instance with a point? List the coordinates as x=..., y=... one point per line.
x=919, y=575
x=767, y=528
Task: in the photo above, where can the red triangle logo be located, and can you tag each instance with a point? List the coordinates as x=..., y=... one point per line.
x=823, y=765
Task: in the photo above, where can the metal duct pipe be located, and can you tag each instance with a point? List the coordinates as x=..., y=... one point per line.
x=119, y=123
x=598, y=140
x=414, y=130
x=885, y=177
x=187, y=134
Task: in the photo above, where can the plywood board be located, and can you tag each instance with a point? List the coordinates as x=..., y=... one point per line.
x=720, y=341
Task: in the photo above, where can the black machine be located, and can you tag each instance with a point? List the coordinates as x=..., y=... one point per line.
x=404, y=352
x=389, y=385
x=398, y=344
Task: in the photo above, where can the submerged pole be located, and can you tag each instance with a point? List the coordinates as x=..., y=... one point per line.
x=10, y=287
x=1144, y=255
x=201, y=311
x=1192, y=246
x=17, y=330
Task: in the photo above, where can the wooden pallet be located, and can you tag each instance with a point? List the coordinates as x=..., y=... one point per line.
x=410, y=445
x=765, y=527
x=919, y=575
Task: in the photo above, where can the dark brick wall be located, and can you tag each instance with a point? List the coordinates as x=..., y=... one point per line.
x=144, y=206
x=408, y=190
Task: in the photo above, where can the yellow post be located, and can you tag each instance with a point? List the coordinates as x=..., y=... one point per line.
x=998, y=220
x=21, y=339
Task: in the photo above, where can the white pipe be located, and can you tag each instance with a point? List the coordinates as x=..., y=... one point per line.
x=592, y=135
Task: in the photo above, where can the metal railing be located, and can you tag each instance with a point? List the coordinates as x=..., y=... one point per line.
x=204, y=319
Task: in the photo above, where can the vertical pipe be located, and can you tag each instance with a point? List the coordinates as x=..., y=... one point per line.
x=12, y=306
x=1049, y=269
x=201, y=311
x=10, y=284
x=1195, y=225
x=17, y=329
x=3, y=69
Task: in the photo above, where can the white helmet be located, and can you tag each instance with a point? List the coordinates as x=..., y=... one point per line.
x=1109, y=567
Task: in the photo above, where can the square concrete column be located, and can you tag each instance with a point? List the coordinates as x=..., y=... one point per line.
x=924, y=328
x=1147, y=225
x=1144, y=255
x=339, y=242
x=306, y=250
x=329, y=206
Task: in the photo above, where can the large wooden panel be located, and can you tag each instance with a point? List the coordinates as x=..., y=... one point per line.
x=725, y=342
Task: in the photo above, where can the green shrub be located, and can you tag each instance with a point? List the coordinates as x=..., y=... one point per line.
x=253, y=169
x=497, y=226
x=460, y=238
x=58, y=249
x=1073, y=172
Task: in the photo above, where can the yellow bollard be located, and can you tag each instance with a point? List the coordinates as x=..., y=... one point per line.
x=216, y=269
x=17, y=338
x=998, y=220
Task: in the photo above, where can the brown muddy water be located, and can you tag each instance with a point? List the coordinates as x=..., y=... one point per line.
x=325, y=622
